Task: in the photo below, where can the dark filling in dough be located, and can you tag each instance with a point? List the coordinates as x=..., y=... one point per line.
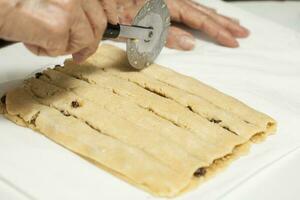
x=65, y=113
x=190, y=108
x=3, y=99
x=200, y=172
x=33, y=119
x=75, y=104
x=57, y=66
x=38, y=75
x=216, y=121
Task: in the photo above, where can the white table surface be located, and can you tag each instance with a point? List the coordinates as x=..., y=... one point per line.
x=285, y=181
x=286, y=13
x=276, y=179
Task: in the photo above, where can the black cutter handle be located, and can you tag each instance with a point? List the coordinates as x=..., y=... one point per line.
x=112, y=31
x=5, y=43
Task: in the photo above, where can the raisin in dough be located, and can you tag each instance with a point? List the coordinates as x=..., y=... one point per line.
x=157, y=129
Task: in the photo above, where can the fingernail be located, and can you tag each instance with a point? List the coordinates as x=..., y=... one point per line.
x=244, y=32
x=234, y=44
x=186, y=42
x=247, y=31
x=225, y=38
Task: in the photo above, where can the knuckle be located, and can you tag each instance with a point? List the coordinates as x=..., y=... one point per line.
x=55, y=49
x=57, y=37
x=18, y=4
x=90, y=41
x=85, y=43
x=204, y=22
x=68, y=4
x=59, y=26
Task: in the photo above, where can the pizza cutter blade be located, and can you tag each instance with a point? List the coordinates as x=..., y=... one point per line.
x=142, y=52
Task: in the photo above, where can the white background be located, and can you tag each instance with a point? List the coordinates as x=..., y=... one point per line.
x=264, y=72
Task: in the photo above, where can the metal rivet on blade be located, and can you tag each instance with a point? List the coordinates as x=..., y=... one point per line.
x=150, y=34
x=135, y=62
x=163, y=6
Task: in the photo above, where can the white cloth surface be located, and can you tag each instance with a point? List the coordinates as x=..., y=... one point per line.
x=264, y=73
x=287, y=13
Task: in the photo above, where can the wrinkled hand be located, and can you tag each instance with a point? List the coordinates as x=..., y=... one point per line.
x=57, y=27
x=222, y=29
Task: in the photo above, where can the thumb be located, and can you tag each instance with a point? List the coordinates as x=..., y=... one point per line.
x=180, y=39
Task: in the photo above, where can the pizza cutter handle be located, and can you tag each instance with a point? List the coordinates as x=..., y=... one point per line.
x=112, y=31
x=5, y=43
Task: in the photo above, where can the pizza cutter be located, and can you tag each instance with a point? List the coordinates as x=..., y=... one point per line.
x=145, y=37
x=142, y=52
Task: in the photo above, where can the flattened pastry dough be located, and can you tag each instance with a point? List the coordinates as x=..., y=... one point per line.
x=157, y=129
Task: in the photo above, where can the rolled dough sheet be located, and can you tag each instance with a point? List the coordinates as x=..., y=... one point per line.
x=157, y=129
